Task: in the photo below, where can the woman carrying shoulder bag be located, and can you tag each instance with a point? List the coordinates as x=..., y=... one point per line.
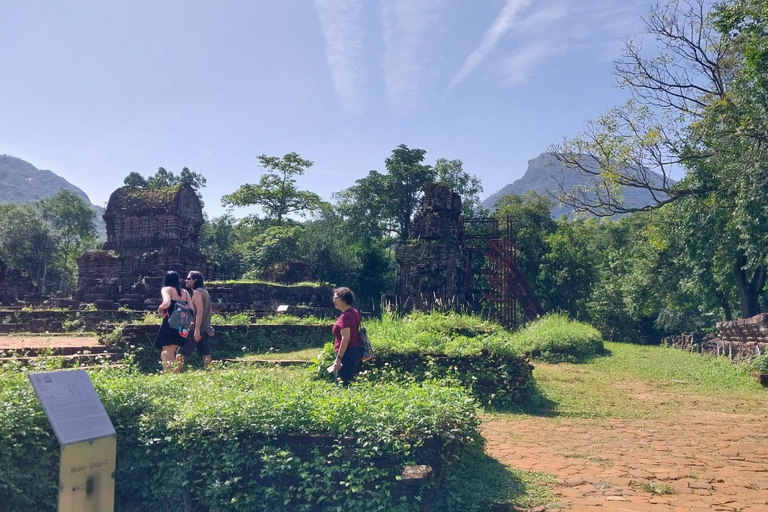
x=346, y=341
x=169, y=339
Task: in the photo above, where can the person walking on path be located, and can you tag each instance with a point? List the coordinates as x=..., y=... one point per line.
x=201, y=303
x=169, y=339
x=346, y=342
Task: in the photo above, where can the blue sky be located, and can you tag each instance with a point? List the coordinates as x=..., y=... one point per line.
x=93, y=90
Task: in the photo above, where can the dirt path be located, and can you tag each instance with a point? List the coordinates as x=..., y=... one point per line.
x=707, y=454
x=42, y=341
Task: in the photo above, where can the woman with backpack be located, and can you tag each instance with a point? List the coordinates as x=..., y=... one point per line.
x=169, y=339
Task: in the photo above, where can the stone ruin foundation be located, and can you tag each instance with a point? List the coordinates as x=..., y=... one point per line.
x=737, y=339
x=149, y=232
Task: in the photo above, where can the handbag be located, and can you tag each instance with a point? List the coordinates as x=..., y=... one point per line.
x=365, y=344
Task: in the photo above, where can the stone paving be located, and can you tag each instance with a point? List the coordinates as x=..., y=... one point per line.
x=702, y=454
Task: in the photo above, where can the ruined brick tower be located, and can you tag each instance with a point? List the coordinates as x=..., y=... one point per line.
x=149, y=231
x=430, y=270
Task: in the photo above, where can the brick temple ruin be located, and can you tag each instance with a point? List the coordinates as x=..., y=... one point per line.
x=149, y=232
x=450, y=263
x=430, y=263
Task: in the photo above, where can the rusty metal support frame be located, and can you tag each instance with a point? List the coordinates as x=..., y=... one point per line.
x=493, y=275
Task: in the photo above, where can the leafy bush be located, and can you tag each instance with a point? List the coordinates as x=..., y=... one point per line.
x=462, y=349
x=555, y=338
x=243, y=440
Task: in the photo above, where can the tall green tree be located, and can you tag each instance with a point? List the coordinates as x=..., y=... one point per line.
x=73, y=224
x=383, y=204
x=276, y=192
x=26, y=241
x=218, y=242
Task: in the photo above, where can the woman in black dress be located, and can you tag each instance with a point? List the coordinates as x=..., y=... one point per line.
x=169, y=339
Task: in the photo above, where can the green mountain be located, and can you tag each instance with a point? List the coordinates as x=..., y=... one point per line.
x=543, y=175
x=21, y=181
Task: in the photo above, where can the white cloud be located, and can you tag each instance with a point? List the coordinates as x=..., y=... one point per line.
x=411, y=31
x=518, y=67
x=491, y=38
x=340, y=24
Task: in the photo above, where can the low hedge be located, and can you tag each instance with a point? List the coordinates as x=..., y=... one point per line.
x=244, y=439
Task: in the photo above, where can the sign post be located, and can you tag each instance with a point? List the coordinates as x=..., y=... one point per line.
x=86, y=437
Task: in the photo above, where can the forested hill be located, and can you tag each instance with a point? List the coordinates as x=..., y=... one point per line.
x=542, y=176
x=21, y=181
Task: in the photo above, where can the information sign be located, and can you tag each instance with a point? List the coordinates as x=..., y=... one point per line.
x=72, y=406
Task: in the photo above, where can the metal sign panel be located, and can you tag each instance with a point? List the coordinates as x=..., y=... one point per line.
x=72, y=406
x=87, y=476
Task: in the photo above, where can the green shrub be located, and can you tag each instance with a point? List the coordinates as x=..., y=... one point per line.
x=243, y=440
x=462, y=349
x=555, y=338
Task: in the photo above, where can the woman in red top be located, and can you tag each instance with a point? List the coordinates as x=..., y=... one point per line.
x=346, y=342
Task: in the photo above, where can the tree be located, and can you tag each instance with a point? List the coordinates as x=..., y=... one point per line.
x=163, y=178
x=699, y=104
x=567, y=272
x=383, y=204
x=73, y=223
x=276, y=193
x=451, y=174
x=218, y=242
x=26, y=241
x=530, y=219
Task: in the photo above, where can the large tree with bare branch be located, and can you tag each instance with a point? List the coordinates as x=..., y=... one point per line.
x=697, y=106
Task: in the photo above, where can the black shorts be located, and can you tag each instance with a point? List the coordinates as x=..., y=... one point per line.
x=203, y=346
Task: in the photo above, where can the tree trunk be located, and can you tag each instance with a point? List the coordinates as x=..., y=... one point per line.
x=749, y=289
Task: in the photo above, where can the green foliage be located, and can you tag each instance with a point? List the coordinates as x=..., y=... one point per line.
x=556, y=338
x=264, y=443
x=755, y=364
x=451, y=173
x=163, y=178
x=230, y=342
x=381, y=205
x=218, y=242
x=462, y=349
x=276, y=193
x=26, y=241
x=531, y=222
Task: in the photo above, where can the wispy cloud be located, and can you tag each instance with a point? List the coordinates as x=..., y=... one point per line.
x=518, y=67
x=411, y=31
x=538, y=33
x=491, y=38
x=341, y=26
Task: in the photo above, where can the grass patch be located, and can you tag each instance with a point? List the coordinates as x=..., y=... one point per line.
x=609, y=387
x=657, y=488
